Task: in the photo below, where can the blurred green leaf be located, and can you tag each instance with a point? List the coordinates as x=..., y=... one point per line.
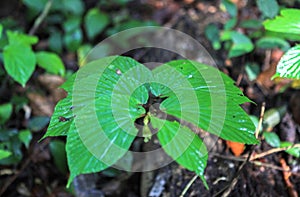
x=58, y=152
x=251, y=24
x=72, y=24
x=82, y=53
x=272, y=139
x=241, y=44
x=292, y=151
x=5, y=112
x=212, y=34
x=269, y=8
x=285, y=36
x=55, y=41
x=4, y=154
x=252, y=70
x=19, y=38
x=287, y=22
x=73, y=6
x=50, y=62
x=73, y=40
x=273, y=117
x=272, y=42
x=1, y=29
x=38, y=123
x=19, y=62
x=230, y=24
x=289, y=64
x=9, y=141
x=230, y=7
x=25, y=137
x=95, y=22
x=35, y=4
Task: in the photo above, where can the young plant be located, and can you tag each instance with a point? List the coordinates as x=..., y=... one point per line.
x=20, y=60
x=108, y=96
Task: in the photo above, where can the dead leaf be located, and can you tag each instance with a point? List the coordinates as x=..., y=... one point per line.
x=40, y=104
x=52, y=83
x=236, y=147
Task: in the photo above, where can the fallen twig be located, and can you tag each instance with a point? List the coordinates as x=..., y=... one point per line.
x=41, y=17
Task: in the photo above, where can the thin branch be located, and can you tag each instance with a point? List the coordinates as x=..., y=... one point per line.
x=262, y=112
x=273, y=150
x=41, y=17
x=187, y=187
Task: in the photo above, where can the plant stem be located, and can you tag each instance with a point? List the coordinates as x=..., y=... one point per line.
x=41, y=17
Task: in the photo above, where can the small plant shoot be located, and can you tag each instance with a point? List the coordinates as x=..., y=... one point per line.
x=113, y=99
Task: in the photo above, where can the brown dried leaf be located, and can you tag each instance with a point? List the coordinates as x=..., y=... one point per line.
x=41, y=105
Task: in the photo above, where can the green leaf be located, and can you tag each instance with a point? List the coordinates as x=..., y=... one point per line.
x=241, y=45
x=82, y=53
x=269, y=8
x=252, y=70
x=9, y=141
x=73, y=6
x=35, y=4
x=289, y=64
x=72, y=24
x=212, y=34
x=113, y=141
x=107, y=96
x=16, y=38
x=5, y=112
x=19, y=62
x=73, y=39
x=95, y=22
x=272, y=139
x=229, y=7
x=272, y=42
x=1, y=30
x=25, y=137
x=222, y=117
x=50, y=62
x=184, y=146
x=58, y=152
x=230, y=24
x=251, y=24
x=38, y=123
x=4, y=154
x=55, y=41
x=61, y=119
x=80, y=159
x=287, y=22
x=292, y=151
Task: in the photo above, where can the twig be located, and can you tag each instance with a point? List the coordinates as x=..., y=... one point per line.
x=234, y=180
x=273, y=150
x=187, y=187
x=41, y=17
x=262, y=112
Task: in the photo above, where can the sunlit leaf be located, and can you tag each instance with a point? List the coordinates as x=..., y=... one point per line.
x=289, y=64
x=287, y=22
x=19, y=62
x=25, y=137
x=50, y=62
x=184, y=146
x=4, y=154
